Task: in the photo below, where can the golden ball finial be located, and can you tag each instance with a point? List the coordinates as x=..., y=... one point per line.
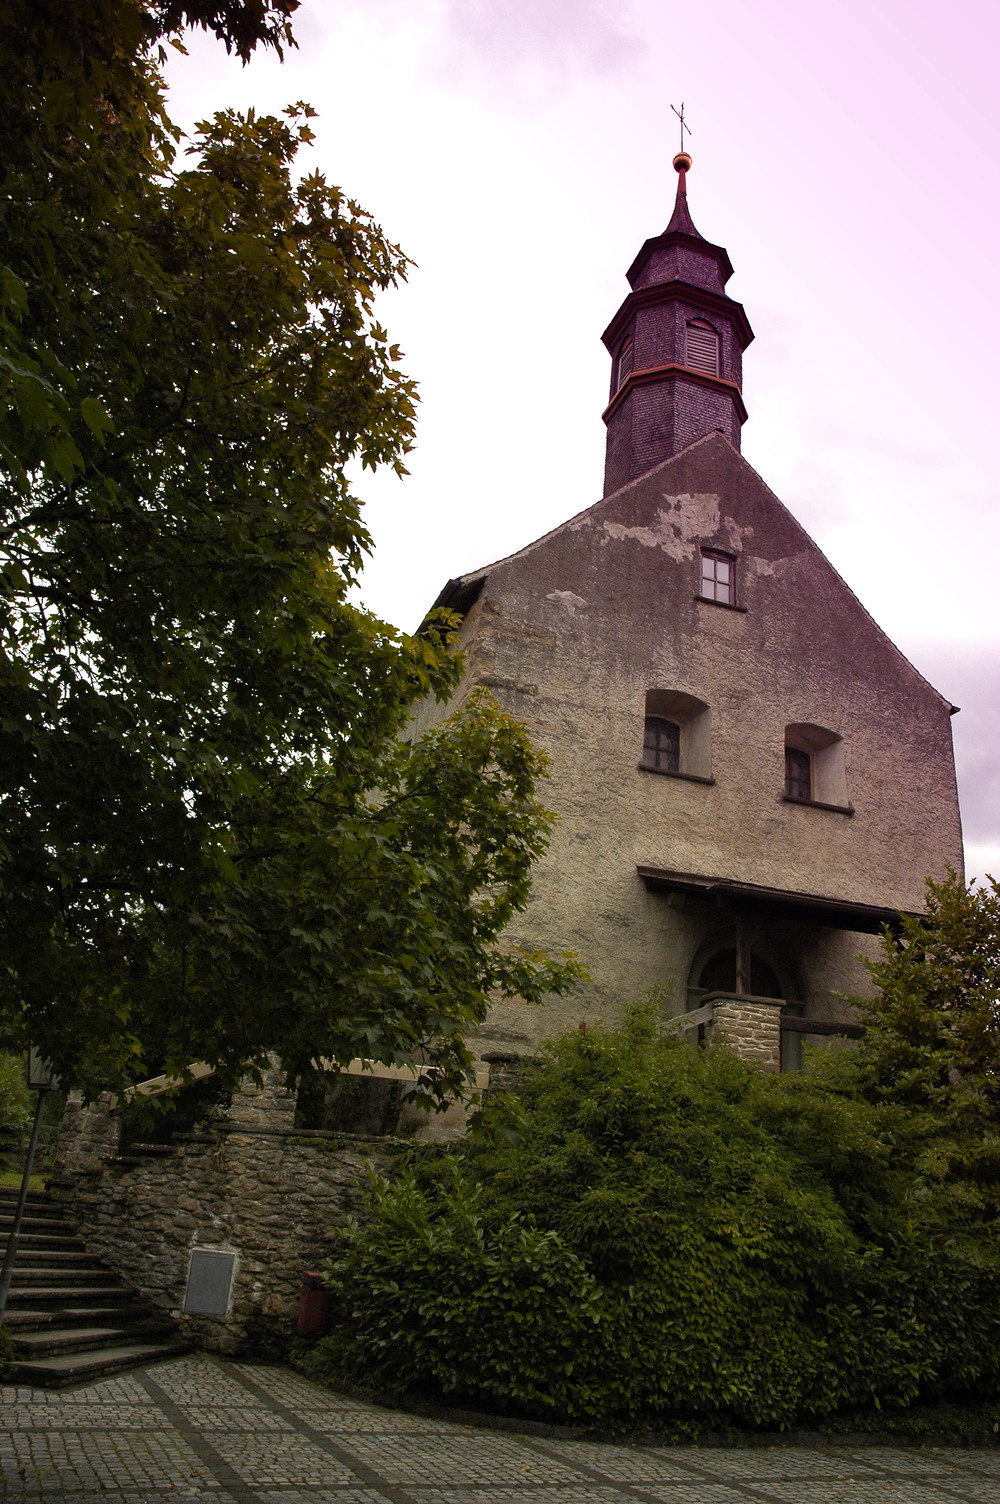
x=682, y=162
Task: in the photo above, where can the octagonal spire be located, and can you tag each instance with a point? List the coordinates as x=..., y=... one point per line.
x=676, y=345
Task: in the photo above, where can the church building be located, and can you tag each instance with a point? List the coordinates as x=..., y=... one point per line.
x=750, y=778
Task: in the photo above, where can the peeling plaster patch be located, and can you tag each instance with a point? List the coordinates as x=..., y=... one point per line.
x=679, y=524
x=736, y=536
x=790, y=564
x=573, y=603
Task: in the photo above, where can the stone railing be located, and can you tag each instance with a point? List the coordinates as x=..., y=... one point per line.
x=753, y=1026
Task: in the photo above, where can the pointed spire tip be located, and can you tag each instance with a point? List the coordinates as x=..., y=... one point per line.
x=680, y=220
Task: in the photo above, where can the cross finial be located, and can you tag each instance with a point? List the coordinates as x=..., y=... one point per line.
x=684, y=125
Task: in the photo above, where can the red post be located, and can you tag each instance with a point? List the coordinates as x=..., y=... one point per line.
x=314, y=1306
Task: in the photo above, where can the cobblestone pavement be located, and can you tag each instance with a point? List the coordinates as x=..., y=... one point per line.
x=199, y=1429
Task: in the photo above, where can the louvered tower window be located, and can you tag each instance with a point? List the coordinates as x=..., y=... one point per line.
x=625, y=357
x=702, y=348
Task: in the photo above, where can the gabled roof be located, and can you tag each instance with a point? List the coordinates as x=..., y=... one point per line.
x=459, y=594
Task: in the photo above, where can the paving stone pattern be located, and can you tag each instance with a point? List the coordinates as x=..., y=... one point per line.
x=200, y=1430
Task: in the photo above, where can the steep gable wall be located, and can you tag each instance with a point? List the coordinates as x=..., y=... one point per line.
x=573, y=631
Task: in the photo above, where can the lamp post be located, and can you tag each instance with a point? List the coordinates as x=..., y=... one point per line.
x=41, y=1078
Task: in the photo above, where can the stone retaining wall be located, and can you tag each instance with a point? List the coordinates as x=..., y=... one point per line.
x=252, y=1185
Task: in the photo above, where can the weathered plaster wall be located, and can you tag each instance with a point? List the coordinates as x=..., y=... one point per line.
x=572, y=632
x=252, y=1186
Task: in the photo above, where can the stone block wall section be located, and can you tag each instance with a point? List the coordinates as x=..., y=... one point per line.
x=752, y=1029
x=254, y=1186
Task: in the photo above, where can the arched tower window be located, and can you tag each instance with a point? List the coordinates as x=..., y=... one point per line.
x=702, y=347
x=626, y=354
x=773, y=971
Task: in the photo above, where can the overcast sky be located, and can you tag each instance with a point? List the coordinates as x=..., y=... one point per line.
x=845, y=154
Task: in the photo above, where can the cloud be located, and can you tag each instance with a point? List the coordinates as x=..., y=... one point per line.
x=556, y=37
x=509, y=50
x=970, y=674
x=982, y=861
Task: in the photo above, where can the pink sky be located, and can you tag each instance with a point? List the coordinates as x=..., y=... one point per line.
x=844, y=154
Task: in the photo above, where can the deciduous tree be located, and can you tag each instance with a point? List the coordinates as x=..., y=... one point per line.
x=213, y=843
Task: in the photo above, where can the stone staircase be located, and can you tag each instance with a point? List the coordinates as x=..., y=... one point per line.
x=70, y=1318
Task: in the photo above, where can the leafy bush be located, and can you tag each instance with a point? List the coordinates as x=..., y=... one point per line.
x=15, y=1101
x=426, y=1295
x=657, y=1233
x=6, y=1354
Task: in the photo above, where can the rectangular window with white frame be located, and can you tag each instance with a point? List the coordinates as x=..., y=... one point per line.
x=718, y=577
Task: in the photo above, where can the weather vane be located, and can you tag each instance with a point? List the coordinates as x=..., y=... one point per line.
x=684, y=125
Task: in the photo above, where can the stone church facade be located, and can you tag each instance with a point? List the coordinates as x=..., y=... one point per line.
x=750, y=778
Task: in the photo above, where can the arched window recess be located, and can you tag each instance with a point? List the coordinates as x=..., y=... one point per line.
x=677, y=735
x=815, y=771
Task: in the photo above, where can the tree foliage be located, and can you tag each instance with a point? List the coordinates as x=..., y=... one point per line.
x=932, y=1035
x=15, y=1100
x=932, y=1038
x=212, y=843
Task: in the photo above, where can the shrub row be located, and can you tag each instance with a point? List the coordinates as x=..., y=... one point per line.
x=661, y=1235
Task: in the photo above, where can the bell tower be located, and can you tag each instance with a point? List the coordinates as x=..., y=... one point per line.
x=676, y=347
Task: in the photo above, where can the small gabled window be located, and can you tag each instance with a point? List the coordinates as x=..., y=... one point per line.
x=661, y=745
x=718, y=576
x=702, y=348
x=623, y=369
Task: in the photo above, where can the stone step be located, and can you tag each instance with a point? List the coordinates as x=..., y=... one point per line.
x=34, y=1318
x=60, y=1340
x=43, y=1240
x=48, y=1226
x=58, y=1294
x=30, y=1258
x=79, y=1368
x=37, y=1204
x=47, y=1274
x=71, y=1319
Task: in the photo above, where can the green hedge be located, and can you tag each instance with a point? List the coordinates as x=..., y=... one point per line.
x=656, y=1234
